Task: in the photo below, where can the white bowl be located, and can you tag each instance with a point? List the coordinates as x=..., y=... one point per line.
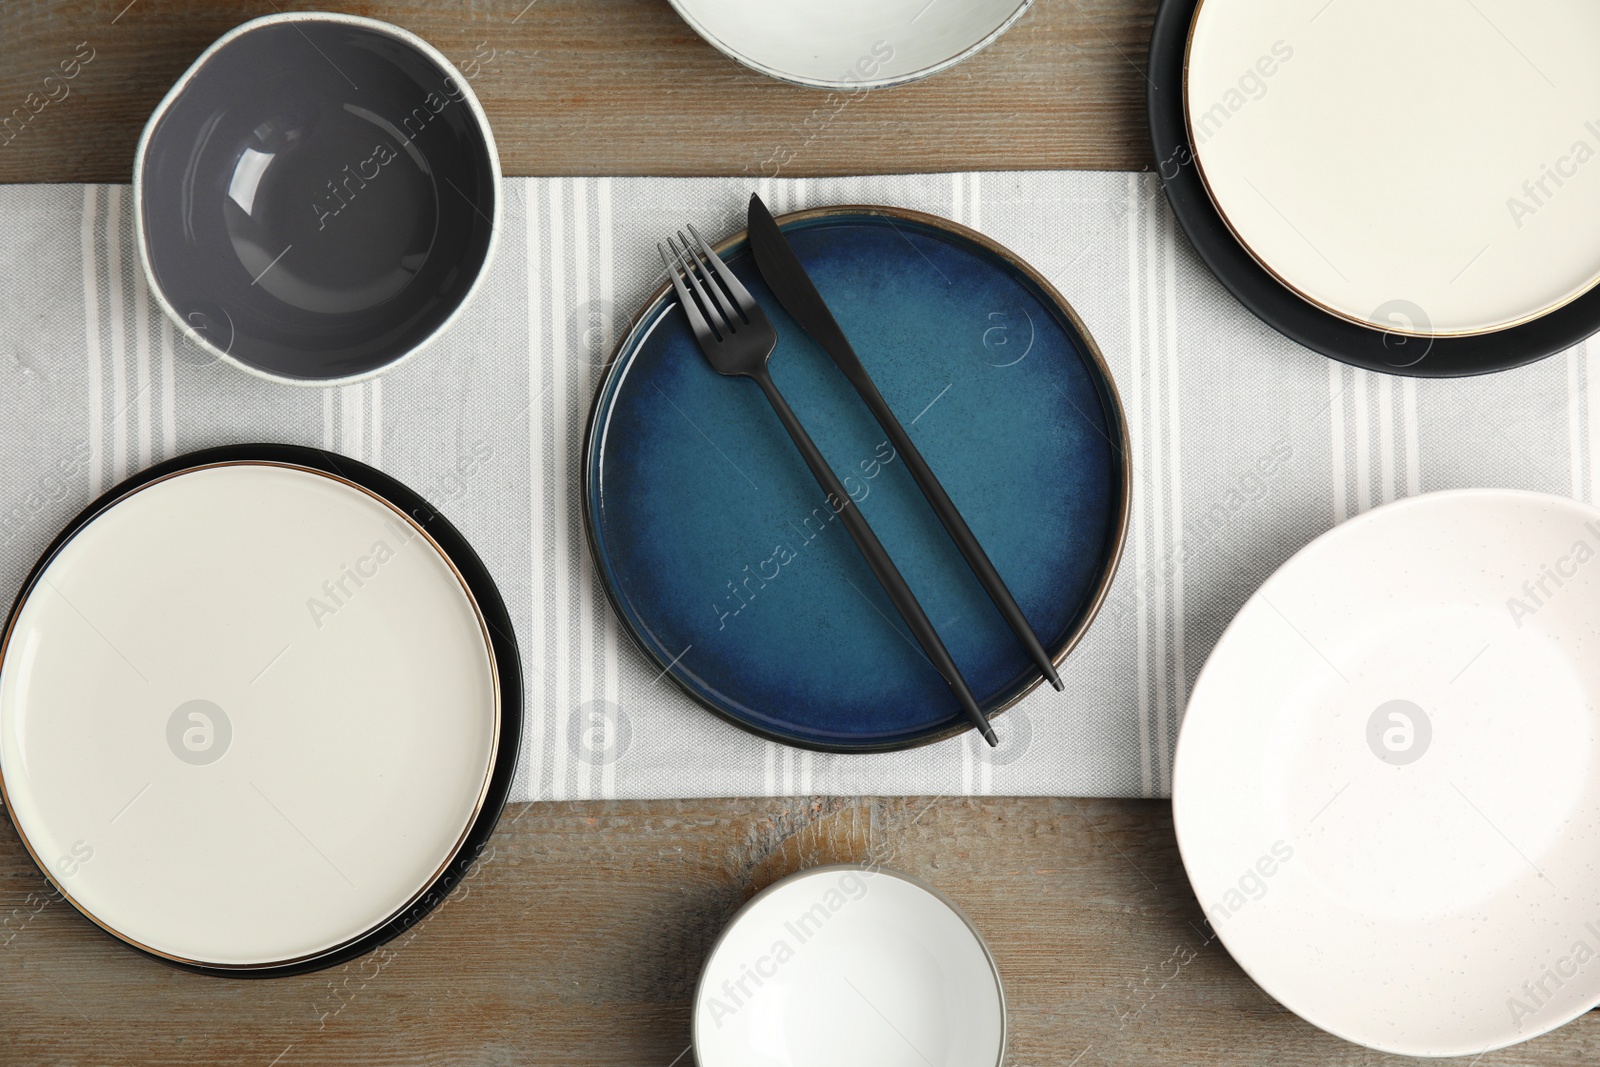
x=846, y=965
x=845, y=44
x=1385, y=790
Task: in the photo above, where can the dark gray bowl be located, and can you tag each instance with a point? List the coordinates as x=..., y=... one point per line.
x=318, y=197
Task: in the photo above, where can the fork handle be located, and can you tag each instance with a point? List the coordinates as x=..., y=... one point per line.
x=883, y=568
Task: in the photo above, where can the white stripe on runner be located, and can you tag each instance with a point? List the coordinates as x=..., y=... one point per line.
x=169, y=389
x=1336, y=451
x=536, y=715
x=957, y=206
x=141, y=362
x=1386, y=457
x=608, y=625
x=1408, y=397
x=967, y=776
x=1158, y=489
x=1363, y=442
x=1591, y=373
x=1574, y=424
x=329, y=442
x=350, y=428
x=975, y=211
x=119, y=370
x=91, y=331
x=1180, y=668
x=1136, y=434
x=375, y=431
x=560, y=359
x=583, y=620
x=770, y=765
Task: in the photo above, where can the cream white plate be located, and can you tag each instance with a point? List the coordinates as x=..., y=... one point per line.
x=248, y=714
x=1423, y=167
x=1385, y=786
x=846, y=965
x=842, y=44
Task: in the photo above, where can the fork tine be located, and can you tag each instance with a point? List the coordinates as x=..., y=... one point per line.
x=725, y=306
x=719, y=321
x=726, y=276
x=697, y=321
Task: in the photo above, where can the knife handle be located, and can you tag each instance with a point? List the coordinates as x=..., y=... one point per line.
x=883, y=568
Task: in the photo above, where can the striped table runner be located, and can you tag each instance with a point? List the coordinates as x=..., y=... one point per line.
x=1246, y=447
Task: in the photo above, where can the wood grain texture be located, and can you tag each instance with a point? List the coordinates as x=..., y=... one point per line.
x=579, y=938
x=616, y=87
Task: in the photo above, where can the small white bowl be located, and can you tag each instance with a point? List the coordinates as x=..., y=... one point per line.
x=846, y=965
x=846, y=44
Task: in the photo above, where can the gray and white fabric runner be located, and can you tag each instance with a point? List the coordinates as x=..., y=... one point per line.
x=1245, y=447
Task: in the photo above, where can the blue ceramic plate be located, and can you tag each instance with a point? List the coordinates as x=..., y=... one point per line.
x=722, y=556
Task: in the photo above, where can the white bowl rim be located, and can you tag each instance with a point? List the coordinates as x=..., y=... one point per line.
x=699, y=26
x=140, y=238
x=867, y=868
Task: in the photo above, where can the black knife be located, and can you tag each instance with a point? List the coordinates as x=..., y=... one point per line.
x=788, y=280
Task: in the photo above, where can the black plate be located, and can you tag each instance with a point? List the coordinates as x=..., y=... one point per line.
x=508, y=666
x=1283, y=309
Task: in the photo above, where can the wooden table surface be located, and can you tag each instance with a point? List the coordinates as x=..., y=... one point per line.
x=579, y=936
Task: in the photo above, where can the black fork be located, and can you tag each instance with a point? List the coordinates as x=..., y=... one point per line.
x=737, y=339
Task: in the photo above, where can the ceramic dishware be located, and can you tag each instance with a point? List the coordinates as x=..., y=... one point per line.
x=737, y=339
x=1384, y=787
x=1449, y=178
x=259, y=710
x=845, y=965
x=834, y=44
x=317, y=198
x=782, y=271
x=1360, y=259
x=722, y=558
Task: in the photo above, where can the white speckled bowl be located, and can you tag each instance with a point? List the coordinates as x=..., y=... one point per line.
x=849, y=965
x=1385, y=789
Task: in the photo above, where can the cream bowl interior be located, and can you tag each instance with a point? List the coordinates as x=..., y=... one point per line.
x=1386, y=790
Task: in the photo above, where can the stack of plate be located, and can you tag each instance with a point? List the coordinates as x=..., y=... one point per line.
x=1411, y=188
